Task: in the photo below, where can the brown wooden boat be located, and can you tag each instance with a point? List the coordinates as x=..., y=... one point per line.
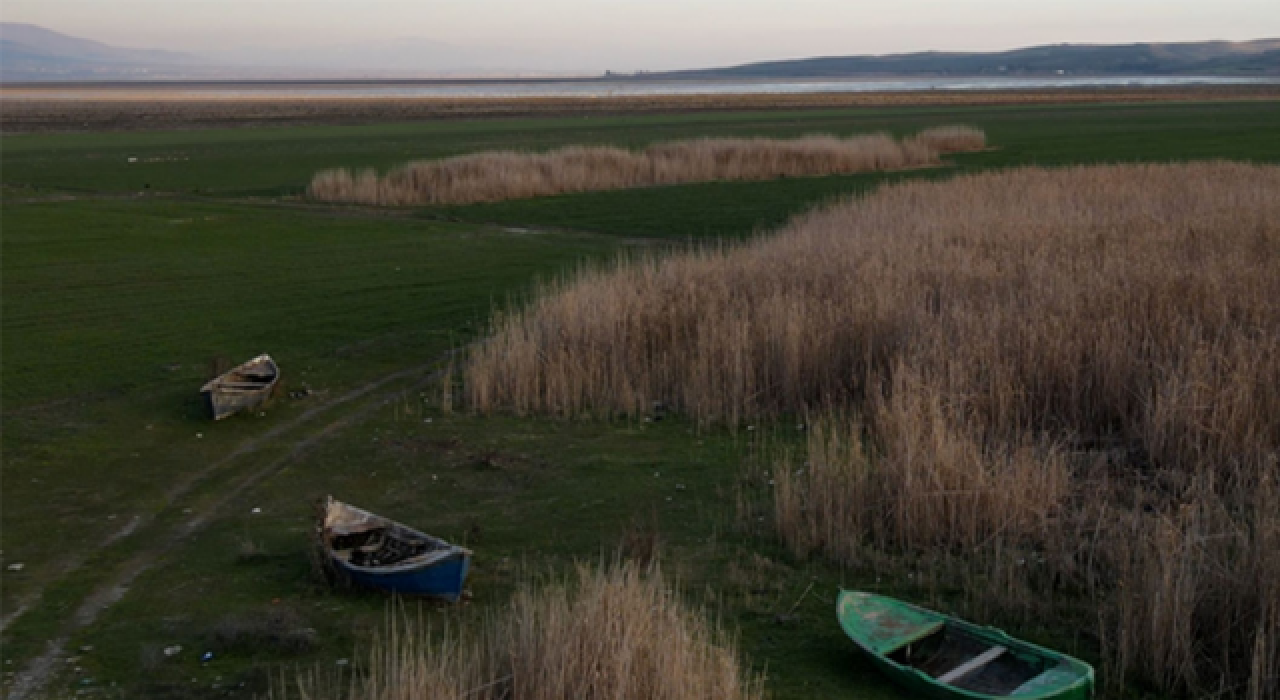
x=248, y=386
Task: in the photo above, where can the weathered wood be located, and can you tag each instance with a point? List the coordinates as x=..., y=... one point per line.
x=377, y=552
x=245, y=387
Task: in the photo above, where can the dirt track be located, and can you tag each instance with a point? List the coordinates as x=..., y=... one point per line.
x=31, y=682
x=27, y=109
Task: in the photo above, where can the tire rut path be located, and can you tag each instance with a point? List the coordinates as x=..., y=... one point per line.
x=39, y=671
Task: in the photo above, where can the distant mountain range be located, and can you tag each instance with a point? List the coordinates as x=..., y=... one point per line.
x=1227, y=58
x=29, y=53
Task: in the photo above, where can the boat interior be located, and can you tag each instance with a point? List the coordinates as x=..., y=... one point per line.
x=363, y=539
x=254, y=376
x=382, y=546
x=953, y=656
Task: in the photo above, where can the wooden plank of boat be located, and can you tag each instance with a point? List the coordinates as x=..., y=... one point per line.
x=380, y=553
x=243, y=387
x=937, y=656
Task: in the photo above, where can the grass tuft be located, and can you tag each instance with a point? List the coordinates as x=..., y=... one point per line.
x=618, y=634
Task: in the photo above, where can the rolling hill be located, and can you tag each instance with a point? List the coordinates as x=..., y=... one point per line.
x=1261, y=57
x=29, y=52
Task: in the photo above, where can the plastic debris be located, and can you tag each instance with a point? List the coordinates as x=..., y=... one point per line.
x=173, y=650
x=16, y=566
x=256, y=511
x=207, y=656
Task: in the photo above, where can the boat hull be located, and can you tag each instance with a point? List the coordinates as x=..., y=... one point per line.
x=245, y=387
x=881, y=626
x=443, y=579
x=919, y=685
x=394, y=557
x=222, y=404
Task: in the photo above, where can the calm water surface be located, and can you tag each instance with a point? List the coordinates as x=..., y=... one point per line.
x=640, y=88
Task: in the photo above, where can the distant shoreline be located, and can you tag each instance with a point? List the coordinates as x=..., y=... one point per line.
x=1013, y=82
x=247, y=84
x=173, y=109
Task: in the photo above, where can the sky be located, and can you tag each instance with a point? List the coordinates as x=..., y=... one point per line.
x=596, y=35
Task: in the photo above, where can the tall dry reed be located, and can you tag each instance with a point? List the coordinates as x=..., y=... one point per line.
x=617, y=634
x=1078, y=366
x=500, y=175
x=1127, y=304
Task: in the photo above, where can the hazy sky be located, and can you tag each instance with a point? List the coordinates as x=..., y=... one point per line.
x=635, y=34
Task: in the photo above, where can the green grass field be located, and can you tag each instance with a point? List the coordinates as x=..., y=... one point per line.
x=123, y=280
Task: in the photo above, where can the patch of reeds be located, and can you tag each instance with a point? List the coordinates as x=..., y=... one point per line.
x=617, y=634
x=952, y=139
x=501, y=175
x=1075, y=368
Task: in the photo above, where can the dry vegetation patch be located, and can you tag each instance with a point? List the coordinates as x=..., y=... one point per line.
x=500, y=175
x=952, y=139
x=618, y=634
x=1041, y=381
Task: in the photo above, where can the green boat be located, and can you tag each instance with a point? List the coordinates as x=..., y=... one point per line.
x=936, y=656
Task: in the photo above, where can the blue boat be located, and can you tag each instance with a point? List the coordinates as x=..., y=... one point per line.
x=379, y=553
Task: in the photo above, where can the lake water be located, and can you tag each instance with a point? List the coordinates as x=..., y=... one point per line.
x=629, y=88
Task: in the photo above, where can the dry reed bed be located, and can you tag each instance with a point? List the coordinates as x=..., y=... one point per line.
x=500, y=175
x=612, y=635
x=1075, y=368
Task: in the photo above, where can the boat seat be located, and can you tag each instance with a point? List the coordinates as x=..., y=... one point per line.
x=972, y=665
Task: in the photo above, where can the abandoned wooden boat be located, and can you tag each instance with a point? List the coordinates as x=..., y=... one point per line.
x=937, y=656
x=376, y=552
x=244, y=387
